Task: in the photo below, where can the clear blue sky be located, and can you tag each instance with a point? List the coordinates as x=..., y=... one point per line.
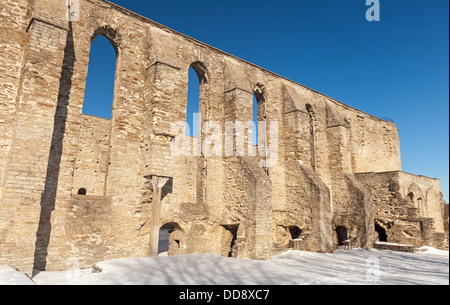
x=396, y=68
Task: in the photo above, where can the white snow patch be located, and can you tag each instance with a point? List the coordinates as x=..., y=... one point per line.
x=430, y=250
x=391, y=244
x=10, y=276
x=345, y=267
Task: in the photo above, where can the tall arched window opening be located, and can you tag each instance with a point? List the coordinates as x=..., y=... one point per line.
x=98, y=99
x=259, y=110
x=312, y=139
x=197, y=78
x=411, y=199
x=193, y=105
x=255, y=121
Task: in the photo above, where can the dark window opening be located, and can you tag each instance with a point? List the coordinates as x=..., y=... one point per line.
x=295, y=232
x=382, y=236
x=342, y=235
x=82, y=191
x=233, y=229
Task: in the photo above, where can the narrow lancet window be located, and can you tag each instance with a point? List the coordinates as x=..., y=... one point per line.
x=193, y=105
x=98, y=99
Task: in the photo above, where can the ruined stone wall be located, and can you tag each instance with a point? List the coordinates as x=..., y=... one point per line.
x=92, y=158
x=47, y=128
x=13, y=37
x=88, y=231
x=445, y=208
x=25, y=182
x=229, y=205
x=417, y=220
x=363, y=133
x=307, y=204
x=124, y=180
x=427, y=197
x=325, y=144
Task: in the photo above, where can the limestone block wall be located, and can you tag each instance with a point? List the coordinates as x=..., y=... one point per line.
x=308, y=204
x=92, y=158
x=363, y=133
x=25, y=182
x=446, y=218
x=324, y=143
x=231, y=205
x=124, y=173
x=13, y=23
x=88, y=231
x=426, y=196
x=416, y=219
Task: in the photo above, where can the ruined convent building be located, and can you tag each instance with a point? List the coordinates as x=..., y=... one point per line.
x=94, y=189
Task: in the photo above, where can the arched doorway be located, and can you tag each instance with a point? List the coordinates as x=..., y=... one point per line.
x=168, y=244
x=382, y=236
x=342, y=235
x=229, y=237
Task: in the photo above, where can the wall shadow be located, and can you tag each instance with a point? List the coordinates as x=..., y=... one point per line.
x=48, y=197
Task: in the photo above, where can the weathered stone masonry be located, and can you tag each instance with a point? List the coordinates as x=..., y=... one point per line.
x=338, y=175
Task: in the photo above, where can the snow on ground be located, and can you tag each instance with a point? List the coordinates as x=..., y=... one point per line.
x=10, y=276
x=347, y=267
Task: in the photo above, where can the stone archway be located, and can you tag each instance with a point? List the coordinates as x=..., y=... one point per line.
x=168, y=242
x=382, y=235
x=342, y=235
x=229, y=237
